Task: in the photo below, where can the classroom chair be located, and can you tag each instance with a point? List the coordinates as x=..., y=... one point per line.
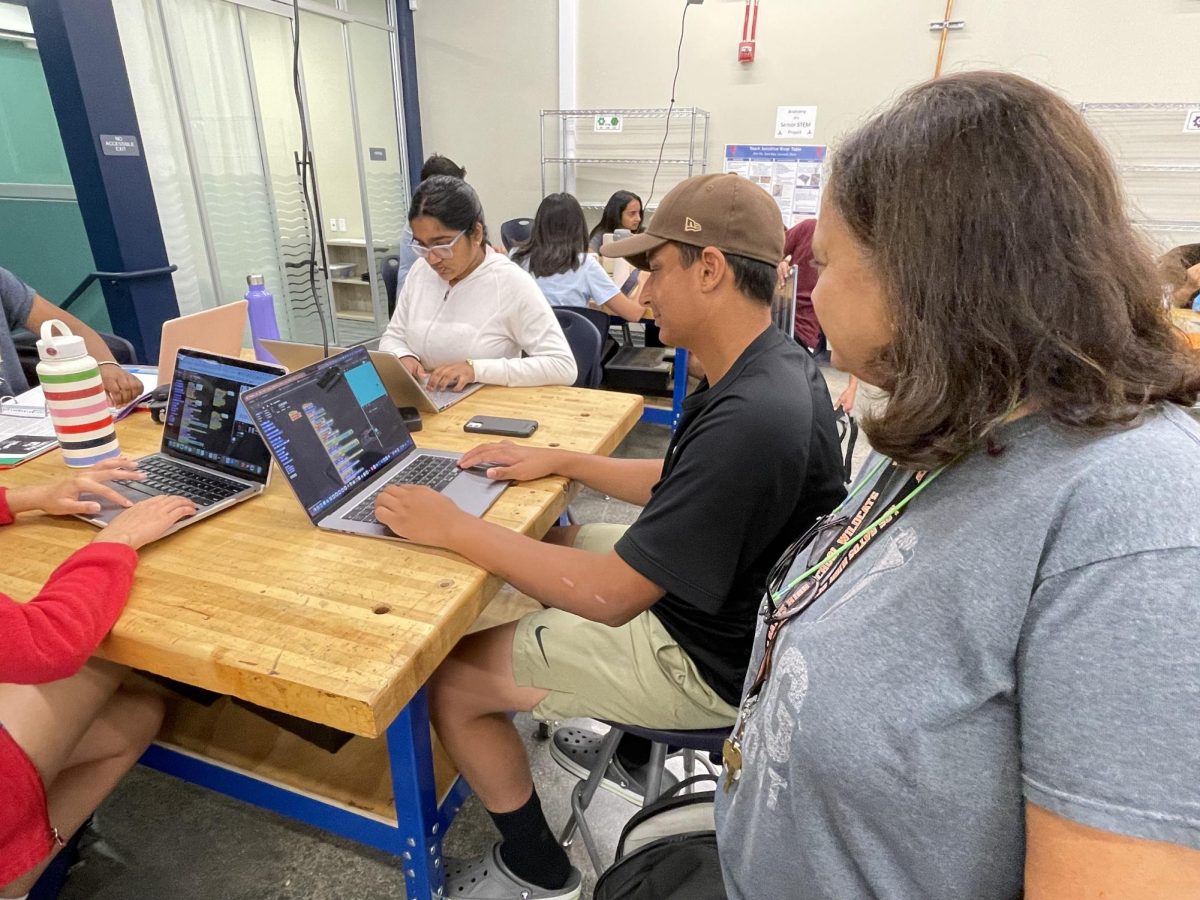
x=515, y=232
x=586, y=345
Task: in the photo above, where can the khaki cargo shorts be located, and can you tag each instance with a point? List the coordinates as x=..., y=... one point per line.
x=635, y=674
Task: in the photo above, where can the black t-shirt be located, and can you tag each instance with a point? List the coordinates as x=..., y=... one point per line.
x=755, y=460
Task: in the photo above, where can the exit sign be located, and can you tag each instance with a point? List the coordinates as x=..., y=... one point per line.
x=607, y=122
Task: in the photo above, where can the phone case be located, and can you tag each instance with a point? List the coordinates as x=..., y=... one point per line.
x=500, y=426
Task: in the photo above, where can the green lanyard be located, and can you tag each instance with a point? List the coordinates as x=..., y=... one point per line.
x=837, y=552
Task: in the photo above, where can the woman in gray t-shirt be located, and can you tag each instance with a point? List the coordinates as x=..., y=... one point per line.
x=983, y=678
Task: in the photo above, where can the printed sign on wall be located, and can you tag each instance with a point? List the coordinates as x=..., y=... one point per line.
x=790, y=174
x=119, y=145
x=796, y=122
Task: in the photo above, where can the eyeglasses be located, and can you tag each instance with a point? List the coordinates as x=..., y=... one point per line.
x=441, y=251
x=814, y=539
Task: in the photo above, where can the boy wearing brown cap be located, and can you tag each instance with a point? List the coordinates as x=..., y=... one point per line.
x=649, y=625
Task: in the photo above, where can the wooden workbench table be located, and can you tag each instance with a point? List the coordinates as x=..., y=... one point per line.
x=257, y=603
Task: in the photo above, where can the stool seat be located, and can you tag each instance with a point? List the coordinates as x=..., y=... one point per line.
x=708, y=740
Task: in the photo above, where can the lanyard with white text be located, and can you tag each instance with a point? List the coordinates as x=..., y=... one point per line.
x=801, y=592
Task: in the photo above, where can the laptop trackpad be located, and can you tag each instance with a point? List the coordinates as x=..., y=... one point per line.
x=110, y=509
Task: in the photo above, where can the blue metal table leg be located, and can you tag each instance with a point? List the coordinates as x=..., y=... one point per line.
x=680, y=385
x=670, y=417
x=416, y=837
x=421, y=825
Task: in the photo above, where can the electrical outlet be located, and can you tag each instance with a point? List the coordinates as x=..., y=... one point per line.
x=333, y=225
x=341, y=224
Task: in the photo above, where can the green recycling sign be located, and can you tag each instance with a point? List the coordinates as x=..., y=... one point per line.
x=607, y=122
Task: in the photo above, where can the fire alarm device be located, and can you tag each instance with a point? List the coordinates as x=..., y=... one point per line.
x=749, y=32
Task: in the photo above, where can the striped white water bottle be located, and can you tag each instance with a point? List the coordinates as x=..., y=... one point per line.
x=75, y=397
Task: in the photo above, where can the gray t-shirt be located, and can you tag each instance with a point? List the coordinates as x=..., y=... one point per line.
x=17, y=298
x=1029, y=629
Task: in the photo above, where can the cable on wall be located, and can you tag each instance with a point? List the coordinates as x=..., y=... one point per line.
x=670, y=106
x=312, y=204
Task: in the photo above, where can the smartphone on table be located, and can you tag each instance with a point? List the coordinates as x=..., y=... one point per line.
x=500, y=425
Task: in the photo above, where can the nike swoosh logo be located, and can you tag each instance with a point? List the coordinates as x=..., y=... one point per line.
x=537, y=634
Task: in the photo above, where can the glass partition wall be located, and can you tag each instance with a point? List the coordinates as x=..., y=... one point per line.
x=214, y=88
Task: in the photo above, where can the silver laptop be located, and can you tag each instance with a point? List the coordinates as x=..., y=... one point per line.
x=339, y=440
x=402, y=386
x=211, y=452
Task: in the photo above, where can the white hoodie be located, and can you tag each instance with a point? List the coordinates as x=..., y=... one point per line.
x=489, y=317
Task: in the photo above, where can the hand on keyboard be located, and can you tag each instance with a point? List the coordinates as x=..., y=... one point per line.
x=419, y=514
x=146, y=521
x=453, y=377
x=435, y=472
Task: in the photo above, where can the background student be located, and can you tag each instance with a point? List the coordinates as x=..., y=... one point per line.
x=434, y=165
x=556, y=256
x=468, y=313
x=623, y=210
x=994, y=693
x=24, y=307
x=68, y=730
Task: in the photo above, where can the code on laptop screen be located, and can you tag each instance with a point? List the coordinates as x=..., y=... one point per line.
x=331, y=427
x=205, y=422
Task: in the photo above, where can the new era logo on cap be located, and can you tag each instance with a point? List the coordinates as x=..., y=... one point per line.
x=690, y=224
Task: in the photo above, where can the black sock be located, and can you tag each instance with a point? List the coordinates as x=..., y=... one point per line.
x=633, y=751
x=529, y=849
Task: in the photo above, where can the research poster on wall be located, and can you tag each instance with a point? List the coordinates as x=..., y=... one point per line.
x=791, y=174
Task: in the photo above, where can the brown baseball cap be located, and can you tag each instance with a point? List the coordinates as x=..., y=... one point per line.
x=725, y=211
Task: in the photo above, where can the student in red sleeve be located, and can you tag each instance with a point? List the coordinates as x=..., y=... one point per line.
x=68, y=730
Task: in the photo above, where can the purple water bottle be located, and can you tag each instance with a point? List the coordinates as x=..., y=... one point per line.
x=262, y=317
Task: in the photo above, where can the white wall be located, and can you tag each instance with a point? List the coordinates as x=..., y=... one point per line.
x=486, y=67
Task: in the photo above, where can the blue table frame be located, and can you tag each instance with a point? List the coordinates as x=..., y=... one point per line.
x=416, y=836
x=656, y=415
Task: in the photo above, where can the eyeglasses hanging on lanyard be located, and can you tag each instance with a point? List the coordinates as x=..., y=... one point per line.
x=788, y=598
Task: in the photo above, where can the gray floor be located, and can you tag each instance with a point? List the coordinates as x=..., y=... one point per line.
x=184, y=843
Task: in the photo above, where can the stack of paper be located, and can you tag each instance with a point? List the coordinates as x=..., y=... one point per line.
x=25, y=427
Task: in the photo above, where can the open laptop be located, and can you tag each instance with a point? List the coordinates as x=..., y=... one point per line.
x=339, y=440
x=402, y=386
x=217, y=330
x=211, y=452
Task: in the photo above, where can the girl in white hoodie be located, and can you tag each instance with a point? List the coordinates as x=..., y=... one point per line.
x=467, y=313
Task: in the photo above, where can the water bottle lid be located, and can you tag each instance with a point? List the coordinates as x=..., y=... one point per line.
x=254, y=280
x=63, y=345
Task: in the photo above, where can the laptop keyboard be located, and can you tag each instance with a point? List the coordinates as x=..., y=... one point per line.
x=444, y=399
x=166, y=477
x=433, y=471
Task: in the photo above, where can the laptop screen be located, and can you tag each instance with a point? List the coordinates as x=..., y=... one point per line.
x=205, y=422
x=331, y=426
